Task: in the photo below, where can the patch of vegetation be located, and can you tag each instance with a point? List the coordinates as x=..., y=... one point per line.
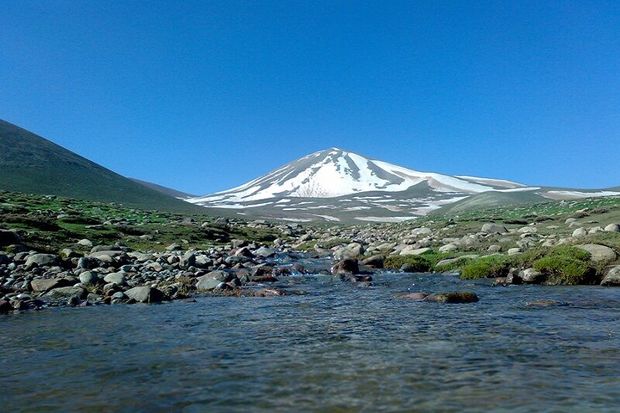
x=455, y=264
x=415, y=263
x=486, y=267
x=50, y=223
x=566, y=265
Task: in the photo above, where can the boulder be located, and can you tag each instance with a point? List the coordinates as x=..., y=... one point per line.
x=599, y=254
x=612, y=228
x=115, y=278
x=421, y=231
x=580, y=232
x=99, y=248
x=352, y=250
x=40, y=285
x=494, y=248
x=102, y=255
x=244, y=252
x=188, y=260
x=415, y=296
x=85, y=243
x=346, y=266
x=89, y=278
x=66, y=292
x=145, y=294
x=514, y=251
x=376, y=261
x=458, y=297
x=411, y=250
x=211, y=280
x=265, y=252
x=448, y=248
x=531, y=276
x=492, y=228
x=612, y=278
x=41, y=260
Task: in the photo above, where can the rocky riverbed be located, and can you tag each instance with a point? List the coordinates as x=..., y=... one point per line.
x=156, y=257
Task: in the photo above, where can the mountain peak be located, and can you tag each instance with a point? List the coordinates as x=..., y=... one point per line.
x=335, y=172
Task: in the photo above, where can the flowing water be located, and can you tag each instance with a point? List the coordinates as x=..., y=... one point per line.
x=338, y=348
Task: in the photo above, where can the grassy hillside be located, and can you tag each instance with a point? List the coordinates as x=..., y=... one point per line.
x=32, y=164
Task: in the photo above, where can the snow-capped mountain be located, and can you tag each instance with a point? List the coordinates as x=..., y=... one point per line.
x=335, y=172
x=334, y=184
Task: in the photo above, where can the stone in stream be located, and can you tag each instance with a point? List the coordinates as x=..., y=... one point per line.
x=212, y=280
x=543, y=303
x=346, y=266
x=531, y=276
x=269, y=292
x=415, y=296
x=612, y=278
x=145, y=294
x=457, y=297
x=376, y=261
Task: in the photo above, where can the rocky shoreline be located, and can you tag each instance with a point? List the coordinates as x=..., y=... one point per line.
x=44, y=263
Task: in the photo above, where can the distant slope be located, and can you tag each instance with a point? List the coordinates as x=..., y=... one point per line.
x=163, y=189
x=491, y=199
x=32, y=164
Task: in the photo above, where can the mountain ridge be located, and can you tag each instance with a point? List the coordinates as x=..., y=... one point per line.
x=338, y=185
x=30, y=163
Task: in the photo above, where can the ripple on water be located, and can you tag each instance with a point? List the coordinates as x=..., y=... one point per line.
x=336, y=348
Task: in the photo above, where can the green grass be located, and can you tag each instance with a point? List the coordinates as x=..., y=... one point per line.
x=566, y=265
x=50, y=223
x=417, y=263
x=486, y=267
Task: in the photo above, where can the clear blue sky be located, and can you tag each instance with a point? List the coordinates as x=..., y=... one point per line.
x=204, y=95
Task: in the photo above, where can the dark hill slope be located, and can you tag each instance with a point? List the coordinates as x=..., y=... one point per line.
x=32, y=164
x=163, y=189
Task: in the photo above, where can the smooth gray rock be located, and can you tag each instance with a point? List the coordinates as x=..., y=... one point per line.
x=599, y=253
x=612, y=228
x=492, y=228
x=265, y=252
x=145, y=294
x=612, y=278
x=65, y=292
x=89, y=278
x=115, y=278
x=579, y=232
x=39, y=285
x=531, y=276
x=346, y=266
x=41, y=260
x=211, y=280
